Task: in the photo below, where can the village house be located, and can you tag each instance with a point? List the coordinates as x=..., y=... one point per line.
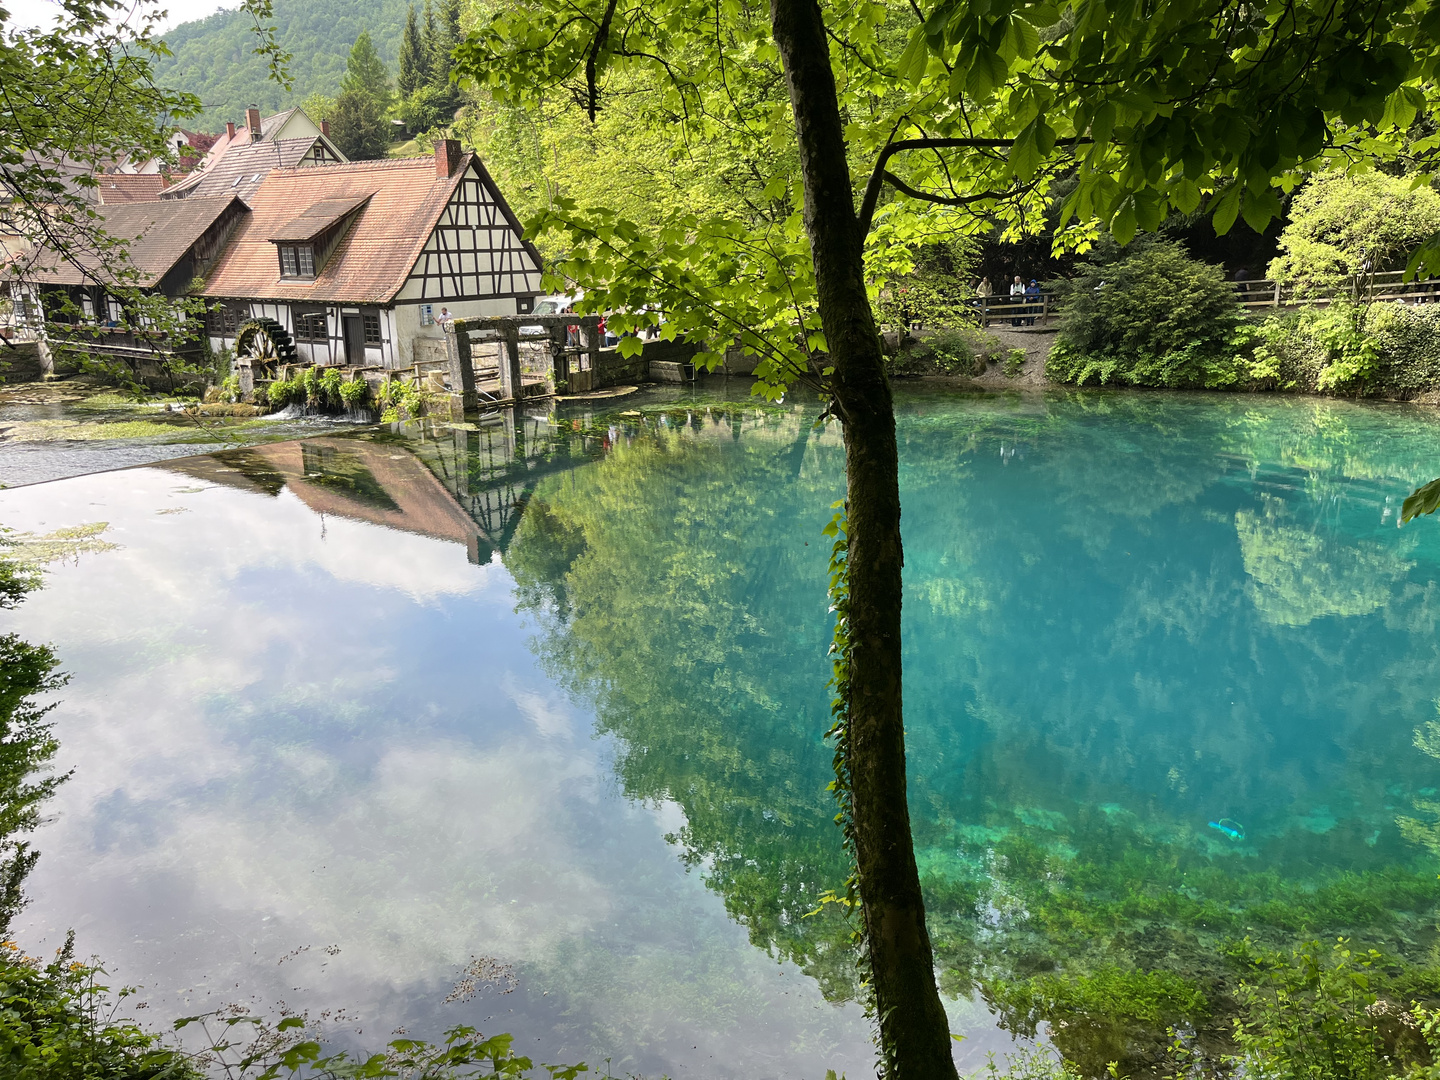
x=359, y=263
x=354, y=263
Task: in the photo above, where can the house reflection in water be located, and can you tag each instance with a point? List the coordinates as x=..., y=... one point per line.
x=463, y=483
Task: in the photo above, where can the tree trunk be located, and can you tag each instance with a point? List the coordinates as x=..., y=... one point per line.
x=914, y=1030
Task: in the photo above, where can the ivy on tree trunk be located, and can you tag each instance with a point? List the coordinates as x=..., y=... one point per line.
x=914, y=1030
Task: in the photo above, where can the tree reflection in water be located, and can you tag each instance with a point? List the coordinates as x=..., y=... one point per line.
x=1127, y=616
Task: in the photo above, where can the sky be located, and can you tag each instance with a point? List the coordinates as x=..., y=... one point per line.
x=31, y=13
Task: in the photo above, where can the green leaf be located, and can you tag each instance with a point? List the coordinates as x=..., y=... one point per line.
x=987, y=71
x=1025, y=153
x=1424, y=500
x=1259, y=210
x=1046, y=13
x=1027, y=38
x=1123, y=224
x=1227, y=209
x=1104, y=123
x=915, y=58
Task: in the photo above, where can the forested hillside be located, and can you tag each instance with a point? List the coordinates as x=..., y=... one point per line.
x=213, y=57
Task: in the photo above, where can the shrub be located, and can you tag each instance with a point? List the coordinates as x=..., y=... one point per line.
x=282, y=392
x=57, y=1023
x=354, y=393
x=1385, y=348
x=960, y=350
x=1155, y=318
x=1014, y=363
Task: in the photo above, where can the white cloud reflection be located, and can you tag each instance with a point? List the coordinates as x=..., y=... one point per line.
x=289, y=732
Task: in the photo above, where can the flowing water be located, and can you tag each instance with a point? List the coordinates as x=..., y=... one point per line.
x=544, y=700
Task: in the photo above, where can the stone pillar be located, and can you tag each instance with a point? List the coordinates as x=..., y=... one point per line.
x=462, y=368
x=511, y=384
x=246, y=375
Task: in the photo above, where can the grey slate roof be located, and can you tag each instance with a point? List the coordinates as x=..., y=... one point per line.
x=241, y=169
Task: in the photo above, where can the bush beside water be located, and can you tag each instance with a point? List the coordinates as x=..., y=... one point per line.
x=1159, y=318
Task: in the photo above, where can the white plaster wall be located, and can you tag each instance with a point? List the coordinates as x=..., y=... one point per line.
x=409, y=330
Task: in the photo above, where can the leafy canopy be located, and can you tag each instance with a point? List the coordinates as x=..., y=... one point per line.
x=1345, y=227
x=960, y=116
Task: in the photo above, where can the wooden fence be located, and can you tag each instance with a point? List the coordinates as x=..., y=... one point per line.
x=1385, y=285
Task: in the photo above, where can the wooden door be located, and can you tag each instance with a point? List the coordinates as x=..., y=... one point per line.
x=354, y=339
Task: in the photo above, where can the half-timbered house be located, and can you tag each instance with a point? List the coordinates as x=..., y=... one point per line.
x=360, y=263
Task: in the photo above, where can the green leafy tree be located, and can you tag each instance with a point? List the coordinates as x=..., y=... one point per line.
x=414, y=62
x=1345, y=228
x=209, y=60
x=365, y=73
x=971, y=106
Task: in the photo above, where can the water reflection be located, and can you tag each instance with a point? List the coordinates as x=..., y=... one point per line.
x=308, y=711
x=1127, y=617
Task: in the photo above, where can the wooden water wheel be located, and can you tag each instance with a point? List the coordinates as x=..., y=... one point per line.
x=266, y=345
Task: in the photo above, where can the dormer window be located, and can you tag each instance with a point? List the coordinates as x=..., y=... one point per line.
x=307, y=240
x=297, y=261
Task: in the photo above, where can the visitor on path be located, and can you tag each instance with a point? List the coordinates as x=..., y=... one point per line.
x=1032, y=292
x=983, y=292
x=1017, y=294
x=1241, y=277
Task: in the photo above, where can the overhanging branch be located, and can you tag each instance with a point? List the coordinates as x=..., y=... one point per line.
x=880, y=175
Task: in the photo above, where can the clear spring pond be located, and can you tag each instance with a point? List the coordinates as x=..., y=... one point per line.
x=519, y=724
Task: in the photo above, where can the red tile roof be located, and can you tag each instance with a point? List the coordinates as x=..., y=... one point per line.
x=130, y=187
x=371, y=263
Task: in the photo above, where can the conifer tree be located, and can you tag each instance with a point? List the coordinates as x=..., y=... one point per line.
x=365, y=73
x=428, y=42
x=414, y=61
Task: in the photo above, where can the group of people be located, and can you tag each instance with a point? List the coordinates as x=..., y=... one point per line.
x=1019, y=292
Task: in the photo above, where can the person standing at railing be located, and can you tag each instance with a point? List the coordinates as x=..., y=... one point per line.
x=1032, y=292
x=1017, y=296
x=1241, y=278
x=983, y=292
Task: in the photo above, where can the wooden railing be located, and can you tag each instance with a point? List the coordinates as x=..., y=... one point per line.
x=1026, y=309
x=1385, y=285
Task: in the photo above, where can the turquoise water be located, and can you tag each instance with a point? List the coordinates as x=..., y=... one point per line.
x=552, y=694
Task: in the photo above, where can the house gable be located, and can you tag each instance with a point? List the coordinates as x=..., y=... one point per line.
x=476, y=250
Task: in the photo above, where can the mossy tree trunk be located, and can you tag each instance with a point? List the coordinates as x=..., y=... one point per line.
x=913, y=1026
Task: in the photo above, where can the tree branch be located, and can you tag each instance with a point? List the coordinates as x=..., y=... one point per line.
x=592, y=61
x=880, y=174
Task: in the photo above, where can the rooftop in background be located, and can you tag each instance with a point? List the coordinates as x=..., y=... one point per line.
x=116, y=188
x=242, y=168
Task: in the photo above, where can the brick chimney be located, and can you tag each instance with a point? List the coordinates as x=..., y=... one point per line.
x=447, y=158
x=230, y=130
x=252, y=121
x=325, y=128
